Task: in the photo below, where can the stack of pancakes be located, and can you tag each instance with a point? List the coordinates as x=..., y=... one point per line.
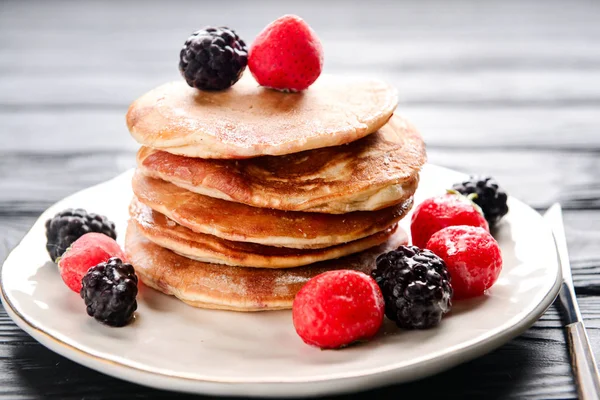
x=243, y=195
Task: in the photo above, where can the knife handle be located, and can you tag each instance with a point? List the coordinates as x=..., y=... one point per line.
x=583, y=362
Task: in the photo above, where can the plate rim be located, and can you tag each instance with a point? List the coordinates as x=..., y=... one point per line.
x=362, y=380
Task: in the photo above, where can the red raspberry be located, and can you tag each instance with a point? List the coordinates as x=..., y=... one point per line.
x=286, y=55
x=472, y=257
x=86, y=252
x=439, y=212
x=337, y=308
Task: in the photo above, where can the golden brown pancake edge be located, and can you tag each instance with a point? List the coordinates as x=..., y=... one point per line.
x=234, y=288
x=241, y=223
x=375, y=172
x=207, y=248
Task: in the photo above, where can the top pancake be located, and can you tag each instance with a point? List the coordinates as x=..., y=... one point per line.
x=372, y=173
x=248, y=120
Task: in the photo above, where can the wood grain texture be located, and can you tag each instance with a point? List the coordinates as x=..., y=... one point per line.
x=508, y=88
x=67, y=128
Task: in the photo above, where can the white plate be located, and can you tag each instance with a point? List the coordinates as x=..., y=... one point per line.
x=178, y=347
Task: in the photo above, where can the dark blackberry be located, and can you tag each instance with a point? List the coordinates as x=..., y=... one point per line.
x=415, y=285
x=213, y=58
x=109, y=290
x=69, y=225
x=490, y=196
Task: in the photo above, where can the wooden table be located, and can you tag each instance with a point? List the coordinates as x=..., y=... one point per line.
x=506, y=88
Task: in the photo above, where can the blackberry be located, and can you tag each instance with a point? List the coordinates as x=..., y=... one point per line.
x=213, y=58
x=69, y=225
x=490, y=196
x=109, y=290
x=415, y=285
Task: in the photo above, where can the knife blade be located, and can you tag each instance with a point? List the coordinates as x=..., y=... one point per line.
x=582, y=358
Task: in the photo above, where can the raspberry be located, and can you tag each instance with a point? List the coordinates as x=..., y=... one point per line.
x=337, y=308
x=490, y=196
x=287, y=55
x=109, y=290
x=87, y=251
x=213, y=58
x=69, y=225
x=439, y=212
x=472, y=256
x=415, y=285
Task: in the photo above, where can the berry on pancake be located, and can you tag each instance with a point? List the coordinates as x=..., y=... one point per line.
x=338, y=308
x=472, y=256
x=439, y=212
x=287, y=55
x=213, y=58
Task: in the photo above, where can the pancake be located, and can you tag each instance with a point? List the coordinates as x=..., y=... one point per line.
x=375, y=172
x=208, y=248
x=241, y=223
x=247, y=120
x=233, y=288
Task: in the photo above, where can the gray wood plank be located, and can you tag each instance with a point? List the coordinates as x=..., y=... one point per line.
x=481, y=55
x=77, y=129
x=507, y=128
x=539, y=178
x=499, y=88
x=433, y=18
x=154, y=52
x=12, y=230
x=32, y=182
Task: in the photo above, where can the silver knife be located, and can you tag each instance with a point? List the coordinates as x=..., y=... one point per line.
x=582, y=358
